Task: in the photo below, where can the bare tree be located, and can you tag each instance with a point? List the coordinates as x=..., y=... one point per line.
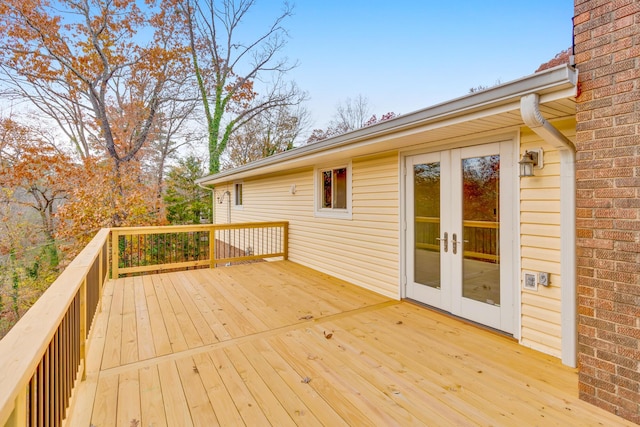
x=272, y=132
x=173, y=131
x=227, y=67
x=351, y=114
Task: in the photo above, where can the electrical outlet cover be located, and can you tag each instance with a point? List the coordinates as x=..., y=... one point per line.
x=529, y=281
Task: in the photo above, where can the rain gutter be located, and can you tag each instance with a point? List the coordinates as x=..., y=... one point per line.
x=503, y=97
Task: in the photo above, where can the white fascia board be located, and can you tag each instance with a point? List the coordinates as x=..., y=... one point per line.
x=554, y=83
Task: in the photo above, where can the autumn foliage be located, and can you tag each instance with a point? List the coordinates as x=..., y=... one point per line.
x=39, y=171
x=34, y=178
x=102, y=198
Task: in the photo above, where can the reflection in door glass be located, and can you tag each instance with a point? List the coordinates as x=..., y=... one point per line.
x=426, y=184
x=481, y=225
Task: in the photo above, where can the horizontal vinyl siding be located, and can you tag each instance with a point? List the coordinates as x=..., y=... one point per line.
x=363, y=250
x=540, y=245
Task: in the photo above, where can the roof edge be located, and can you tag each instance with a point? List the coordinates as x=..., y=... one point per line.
x=560, y=77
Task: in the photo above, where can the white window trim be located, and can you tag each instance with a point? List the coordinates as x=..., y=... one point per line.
x=320, y=212
x=235, y=194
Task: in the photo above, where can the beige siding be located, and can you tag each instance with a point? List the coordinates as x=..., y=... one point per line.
x=540, y=245
x=363, y=250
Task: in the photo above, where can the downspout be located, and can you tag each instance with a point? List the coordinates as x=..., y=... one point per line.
x=530, y=111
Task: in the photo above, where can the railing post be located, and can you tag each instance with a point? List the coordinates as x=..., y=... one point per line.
x=212, y=247
x=115, y=237
x=286, y=241
x=83, y=328
x=100, y=278
x=18, y=417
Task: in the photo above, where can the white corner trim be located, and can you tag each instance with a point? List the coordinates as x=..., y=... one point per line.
x=532, y=117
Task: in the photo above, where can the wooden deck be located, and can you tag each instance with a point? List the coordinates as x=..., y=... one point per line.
x=280, y=344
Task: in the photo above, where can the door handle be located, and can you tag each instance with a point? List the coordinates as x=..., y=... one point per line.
x=446, y=241
x=455, y=242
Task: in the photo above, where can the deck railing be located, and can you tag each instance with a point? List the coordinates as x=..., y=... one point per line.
x=42, y=358
x=153, y=249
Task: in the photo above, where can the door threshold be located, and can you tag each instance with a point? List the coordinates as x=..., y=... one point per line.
x=462, y=319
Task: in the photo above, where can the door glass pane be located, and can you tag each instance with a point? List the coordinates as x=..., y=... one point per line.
x=426, y=184
x=481, y=221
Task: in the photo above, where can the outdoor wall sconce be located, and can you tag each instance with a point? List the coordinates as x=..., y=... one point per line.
x=530, y=159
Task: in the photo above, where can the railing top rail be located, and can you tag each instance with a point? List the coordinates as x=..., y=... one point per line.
x=23, y=347
x=251, y=225
x=163, y=228
x=196, y=227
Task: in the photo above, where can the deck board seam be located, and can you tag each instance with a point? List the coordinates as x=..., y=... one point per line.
x=117, y=370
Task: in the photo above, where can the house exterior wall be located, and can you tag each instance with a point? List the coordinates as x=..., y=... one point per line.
x=363, y=250
x=607, y=36
x=540, y=244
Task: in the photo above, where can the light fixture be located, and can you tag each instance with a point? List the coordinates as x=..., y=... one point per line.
x=530, y=158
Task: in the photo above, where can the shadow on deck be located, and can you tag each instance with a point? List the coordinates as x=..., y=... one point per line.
x=275, y=343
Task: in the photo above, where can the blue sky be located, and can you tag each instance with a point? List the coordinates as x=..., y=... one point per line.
x=404, y=55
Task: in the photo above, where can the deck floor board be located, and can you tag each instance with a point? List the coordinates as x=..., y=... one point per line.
x=151, y=404
x=276, y=343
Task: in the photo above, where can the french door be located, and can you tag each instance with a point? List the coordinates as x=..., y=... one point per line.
x=459, y=215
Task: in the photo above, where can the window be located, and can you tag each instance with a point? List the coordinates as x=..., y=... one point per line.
x=237, y=191
x=334, y=189
x=334, y=192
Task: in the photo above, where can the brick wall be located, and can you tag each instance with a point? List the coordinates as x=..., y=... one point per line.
x=607, y=49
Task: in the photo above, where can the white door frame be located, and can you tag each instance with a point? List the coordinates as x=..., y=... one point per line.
x=510, y=226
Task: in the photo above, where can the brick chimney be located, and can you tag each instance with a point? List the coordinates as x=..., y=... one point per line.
x=607, y=55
